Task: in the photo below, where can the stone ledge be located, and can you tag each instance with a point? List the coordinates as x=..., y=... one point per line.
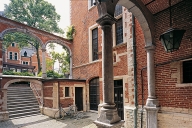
x=184, y=85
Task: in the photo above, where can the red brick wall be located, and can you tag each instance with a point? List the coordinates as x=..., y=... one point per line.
x=169, y=95
x=141, y=62
x=166, y=91
x=48, y=92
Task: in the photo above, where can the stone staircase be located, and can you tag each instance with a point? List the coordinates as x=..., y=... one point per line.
x=21, y=102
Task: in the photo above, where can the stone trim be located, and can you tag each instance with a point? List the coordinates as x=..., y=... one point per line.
x=87, y=64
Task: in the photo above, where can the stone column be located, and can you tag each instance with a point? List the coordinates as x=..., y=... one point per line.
x=1, y=58
x=44, y=74
x=152, y=102
x=109, y=114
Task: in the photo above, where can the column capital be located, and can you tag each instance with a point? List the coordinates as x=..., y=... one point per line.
x=106, y=20
x=150, y=47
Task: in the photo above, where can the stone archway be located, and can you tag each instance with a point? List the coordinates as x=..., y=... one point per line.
x=106, y=19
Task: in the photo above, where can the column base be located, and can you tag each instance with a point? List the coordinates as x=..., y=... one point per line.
x=109, y=118
x=4, y=115
x=151, y=116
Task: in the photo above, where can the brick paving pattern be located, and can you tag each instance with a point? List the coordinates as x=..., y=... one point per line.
x=42, y=121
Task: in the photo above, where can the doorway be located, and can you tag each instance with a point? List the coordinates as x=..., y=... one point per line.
x=118, y=97
x=94, y=95
x=79, y=98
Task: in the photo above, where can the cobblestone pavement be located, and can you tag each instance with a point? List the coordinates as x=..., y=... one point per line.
x=42, y=121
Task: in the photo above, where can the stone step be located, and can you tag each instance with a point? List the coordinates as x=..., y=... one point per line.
x=21, y=102
x=27, y=113
x=14, y=111
x=23, y=105
x=17, y=117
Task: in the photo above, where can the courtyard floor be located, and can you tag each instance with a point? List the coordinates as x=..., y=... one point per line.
x=42, y=121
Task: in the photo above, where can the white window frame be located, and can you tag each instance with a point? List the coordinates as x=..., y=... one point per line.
x=9, y=55
x=90, y=42
x=89, y=4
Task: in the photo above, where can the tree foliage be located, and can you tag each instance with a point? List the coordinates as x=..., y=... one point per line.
x=35, y=13
x=63, y=58
x=70, y=31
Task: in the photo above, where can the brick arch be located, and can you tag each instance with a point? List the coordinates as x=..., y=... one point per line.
x=25, y=31
x=59, y=42
x=89, y=79
x=20, y=80
x=63, y=43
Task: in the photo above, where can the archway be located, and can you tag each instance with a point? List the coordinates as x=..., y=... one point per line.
x=68, y=50
x=106, y=19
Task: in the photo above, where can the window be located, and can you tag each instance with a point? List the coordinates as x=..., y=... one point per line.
x=15, y=56
x=119, y=31
x=95, y=44
x=25, y=63
x=13, y=44
x=25, y=54
x=187, y=71
x=118, y=10
x=90, y=3
x=66, y=91
x=10, y=55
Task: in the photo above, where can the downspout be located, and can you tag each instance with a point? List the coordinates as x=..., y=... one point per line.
x=135, y=71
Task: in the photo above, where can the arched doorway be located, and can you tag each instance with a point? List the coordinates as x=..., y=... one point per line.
x=94, y=94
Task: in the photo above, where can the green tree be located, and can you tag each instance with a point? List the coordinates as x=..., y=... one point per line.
x=35, y=13
x=63, y=58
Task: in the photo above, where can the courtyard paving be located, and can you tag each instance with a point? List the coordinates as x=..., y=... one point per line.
x=42, y=121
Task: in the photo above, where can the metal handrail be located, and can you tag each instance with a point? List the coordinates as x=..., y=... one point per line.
x=39, y=101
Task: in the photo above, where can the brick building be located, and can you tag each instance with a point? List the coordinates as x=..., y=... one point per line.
x=19, y=60
x=161, y=82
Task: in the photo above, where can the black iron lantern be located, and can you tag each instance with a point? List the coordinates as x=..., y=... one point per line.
x=171, y=39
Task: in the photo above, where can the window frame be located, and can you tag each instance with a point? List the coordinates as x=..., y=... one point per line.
x=68, y=91
x=90, y=42
x=12, y=44
x=91, y=4
x=11, y=55
x=95, y=43
x=15, y=56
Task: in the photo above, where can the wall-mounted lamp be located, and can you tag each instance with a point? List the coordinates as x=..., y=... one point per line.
x=171, y=39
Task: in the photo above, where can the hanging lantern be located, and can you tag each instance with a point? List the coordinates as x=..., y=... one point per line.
x=171, y=39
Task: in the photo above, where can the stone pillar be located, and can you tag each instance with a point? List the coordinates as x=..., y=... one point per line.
x=152, y=102
x=109, y=115
x=1, y=58
x=44, y=74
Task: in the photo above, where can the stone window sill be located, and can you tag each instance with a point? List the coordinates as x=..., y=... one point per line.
x=184, y=85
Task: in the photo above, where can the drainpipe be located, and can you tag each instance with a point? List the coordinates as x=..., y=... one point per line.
x=135, y=71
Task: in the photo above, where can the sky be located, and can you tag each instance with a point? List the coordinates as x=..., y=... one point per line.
x=61, y=8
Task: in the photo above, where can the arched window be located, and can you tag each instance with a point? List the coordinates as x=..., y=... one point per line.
x=94, y=94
